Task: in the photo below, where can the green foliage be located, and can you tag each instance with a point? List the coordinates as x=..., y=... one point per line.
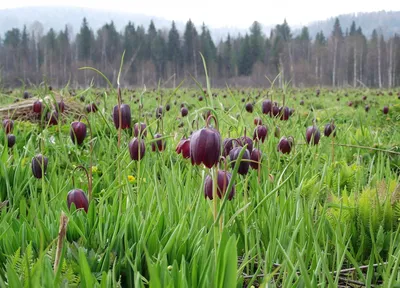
x=304, y=215
x=340, y=176
x=373, y=214
x=27, y=268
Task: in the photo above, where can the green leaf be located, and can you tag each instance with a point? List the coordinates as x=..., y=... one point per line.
x=86, y=275
x=227, y=263
x=380, y=239
x=12, y=277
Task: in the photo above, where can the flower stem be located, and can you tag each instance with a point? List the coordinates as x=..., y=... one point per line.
x=246, y=245
x=215, y=199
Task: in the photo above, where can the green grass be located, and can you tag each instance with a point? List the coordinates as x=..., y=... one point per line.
x=302, y=218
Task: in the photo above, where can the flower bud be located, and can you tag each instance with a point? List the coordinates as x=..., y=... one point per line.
x=78, y=132
x=134, y=146
x=78, y=197
x=205, y=147
x=223, y=180
x=38, y=162
x=125, y=116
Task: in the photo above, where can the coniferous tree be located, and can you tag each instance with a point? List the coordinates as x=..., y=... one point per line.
x=12, y=42
x=337, y=38
x=319, y=51
x=190, y=47
x=174, y=49
x=63, y=51
x=84, y=41
x=24, y=50
x=227, y=59
x=245, y=61
x=256, y=43
x=151, y=36
x=159, y=53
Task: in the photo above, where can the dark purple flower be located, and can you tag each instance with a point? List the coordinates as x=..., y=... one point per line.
x=52, y=118
x=385, y=110
x=285, y=145
x=227, y=146
x=275, y=110
x=10, y=140
x=244, y=165
x=37, y=107
x=329, y=128
x=205, y=147
x=223, y=180
x=91, y=108
x=140, y=129
x=125, y=116
x=257, y=121
x=285, y=113
x=255, y=158
x=246, y=140
x=313, y=135
x=134, y=146
x=159, y=144
x=260, y=133
x=249, y=107
x=8, y=125
x=78, y=197
x=37, y=163
x=266, y=107
x=184, y=111
x=78, y=132
x=61, y=106
x=183, y=148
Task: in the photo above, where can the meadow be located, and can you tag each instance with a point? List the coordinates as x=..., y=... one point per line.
x=325, y=213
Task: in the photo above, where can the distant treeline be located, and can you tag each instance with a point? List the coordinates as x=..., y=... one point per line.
x=165, y=57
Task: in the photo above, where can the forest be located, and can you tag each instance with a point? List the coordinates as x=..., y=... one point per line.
x=166, y=57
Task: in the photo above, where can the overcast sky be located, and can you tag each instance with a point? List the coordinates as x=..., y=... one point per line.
x=225, y=13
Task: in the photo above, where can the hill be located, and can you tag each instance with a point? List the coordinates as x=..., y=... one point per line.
x=388, y=22
x=58, y=17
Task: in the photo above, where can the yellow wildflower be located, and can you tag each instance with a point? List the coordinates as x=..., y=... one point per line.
x=94, y=169
x=24, y=161
x=131, y=178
